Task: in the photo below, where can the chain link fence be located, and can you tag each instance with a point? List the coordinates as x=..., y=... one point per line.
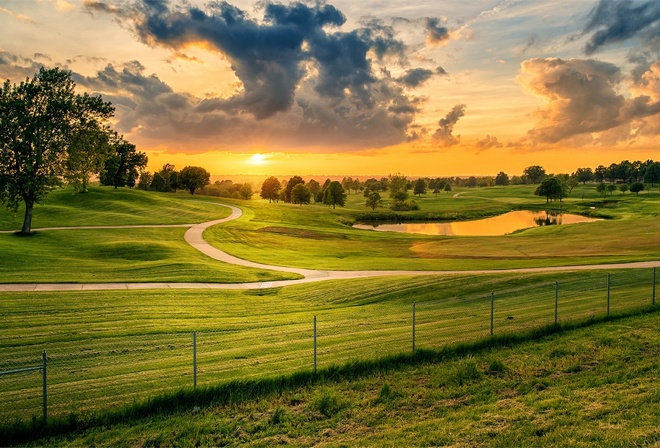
x=90, y=371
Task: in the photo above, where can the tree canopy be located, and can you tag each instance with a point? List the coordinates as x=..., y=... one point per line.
x=122, y=168
x=270, y=189
x=552, y=188
x=39, y=120
x=335, y=195
x=193, y=177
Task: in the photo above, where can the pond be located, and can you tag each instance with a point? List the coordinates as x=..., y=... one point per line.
x=497, y=225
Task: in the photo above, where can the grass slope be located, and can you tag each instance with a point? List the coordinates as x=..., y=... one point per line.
x=596, y=386
x=116, y=255
x=110, y=348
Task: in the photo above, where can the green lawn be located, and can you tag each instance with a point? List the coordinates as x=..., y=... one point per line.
x=109, y=348
x=317, y=237
x=595, y=386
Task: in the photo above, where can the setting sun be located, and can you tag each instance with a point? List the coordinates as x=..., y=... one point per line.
x=257, y=159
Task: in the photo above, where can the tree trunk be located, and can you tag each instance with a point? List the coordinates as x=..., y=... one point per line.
x=27, y=222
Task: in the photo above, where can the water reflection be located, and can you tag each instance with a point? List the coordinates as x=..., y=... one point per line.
x=497, y=225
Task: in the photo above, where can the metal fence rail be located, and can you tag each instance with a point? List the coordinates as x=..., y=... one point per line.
x=93, y=372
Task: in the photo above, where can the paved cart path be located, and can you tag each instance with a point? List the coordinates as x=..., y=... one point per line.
x=194, y=237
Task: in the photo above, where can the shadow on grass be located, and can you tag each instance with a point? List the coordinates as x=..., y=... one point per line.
x=239, y=391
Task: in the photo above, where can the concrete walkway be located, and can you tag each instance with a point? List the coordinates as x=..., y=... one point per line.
x=194, y=237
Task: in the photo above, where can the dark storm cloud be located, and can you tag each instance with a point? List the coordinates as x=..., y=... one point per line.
x=443, y=135
x=614, y=21
x=435, y=33
x=303, y=79
x=416, y=77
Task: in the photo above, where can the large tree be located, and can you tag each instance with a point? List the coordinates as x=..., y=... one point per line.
x=193, y=177
x=552, y=188
x=122, y=168
x=270, y=189
x=584, y=175
x=652, y=174
x=335, y=195
x=38, y=120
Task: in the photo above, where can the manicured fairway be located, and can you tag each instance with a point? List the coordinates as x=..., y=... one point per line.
x=317, y=237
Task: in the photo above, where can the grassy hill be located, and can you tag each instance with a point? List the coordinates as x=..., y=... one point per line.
x=594, y=386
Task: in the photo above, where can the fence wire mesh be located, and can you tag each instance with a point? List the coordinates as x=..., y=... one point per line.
x=93, y=370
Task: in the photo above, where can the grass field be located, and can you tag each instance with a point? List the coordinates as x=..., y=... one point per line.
x=110, y=348
x=107, y=350
x=595, y=386
x=116, y=255
x=317, y=237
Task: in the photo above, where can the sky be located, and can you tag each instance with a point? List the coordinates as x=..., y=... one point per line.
x=423, y=88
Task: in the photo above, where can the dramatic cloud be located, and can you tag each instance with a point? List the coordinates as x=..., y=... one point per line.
x=17, y=67
x=416, y=77
x=614, y=21
x=582, y=98
x=299, y=74
x=436, y=34
x=443, y=135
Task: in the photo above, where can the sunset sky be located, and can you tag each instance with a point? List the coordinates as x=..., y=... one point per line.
x=370, y=87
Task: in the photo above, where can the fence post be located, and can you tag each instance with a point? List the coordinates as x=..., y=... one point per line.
x=413, y=326
x=556, y=301
x=195, y=359
x=653, y=297
x=314, y=345
x=608, y=295
x=492, y=312
x=45, y=385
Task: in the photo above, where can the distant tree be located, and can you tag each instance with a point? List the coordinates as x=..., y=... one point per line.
x=315, y=189
x=165, y=178
x=612, y=172
x=145, y=180
x=599, y=173
x=39, y=118
x=246, y=191
x=602, y=188
x=584, y=175
x=300, y=194
x=157, y=182
x=397, y=183
x=270, y=189
x=551, y=188
x=447, y=187
x=356, y=185
x=472, y=181
x=420, y=187
x=193, y=177
x=623, y=188
x=611, y=188
x=502, y=179
x=374, y=200
x=123, y=166
x=636, y=187
x=534, y=173
x=571, y=183
x=347, y=183
x=652, y=173
x=295, y=180
x=335, y=195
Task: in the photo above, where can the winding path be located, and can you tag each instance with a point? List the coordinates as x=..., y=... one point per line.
x=194, y=237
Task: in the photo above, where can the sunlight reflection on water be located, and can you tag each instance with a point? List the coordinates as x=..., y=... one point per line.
x=497, y=225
